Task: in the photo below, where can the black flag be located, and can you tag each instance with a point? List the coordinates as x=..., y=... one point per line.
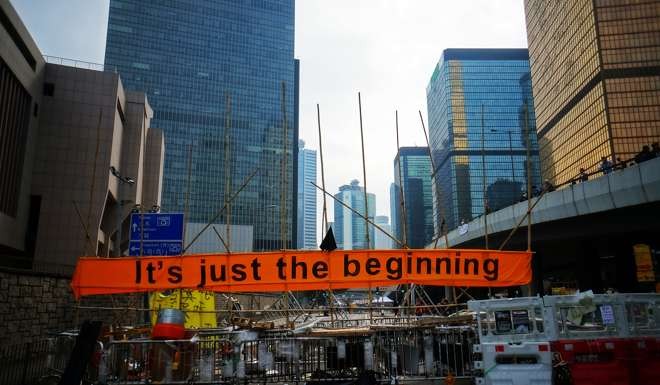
x=328, y=243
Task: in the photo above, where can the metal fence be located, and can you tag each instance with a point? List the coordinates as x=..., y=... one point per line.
x=375, y=358
x=26, y=364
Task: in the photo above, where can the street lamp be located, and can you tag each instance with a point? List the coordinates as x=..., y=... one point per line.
x=129, y=181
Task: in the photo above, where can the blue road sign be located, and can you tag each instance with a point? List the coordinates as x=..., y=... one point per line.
x=156, y=234
x=156, y=227
x=155, y=248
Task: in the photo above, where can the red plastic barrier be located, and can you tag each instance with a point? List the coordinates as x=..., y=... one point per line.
x=645, y=360
x=597, y=362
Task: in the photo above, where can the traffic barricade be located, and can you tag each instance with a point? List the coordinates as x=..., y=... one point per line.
x=596, y=362
x=643, y=329
x=514, y=339
x=591, y=337
x=514, y=363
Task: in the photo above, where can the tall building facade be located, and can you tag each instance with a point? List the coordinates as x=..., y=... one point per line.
x=414, y=165
x=223, y=83
x=595, y=67
x=349, y=228
x=479, y=111
x=306, y=198
x=382, y=241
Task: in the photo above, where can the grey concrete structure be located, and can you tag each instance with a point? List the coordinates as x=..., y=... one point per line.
x=89, y=124
x=585, y=236
x=633, y=186
x=63, y=132
x=21, y=72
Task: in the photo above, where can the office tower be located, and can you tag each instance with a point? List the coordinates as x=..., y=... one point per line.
x=414, y=175
x=306, y=198
x=395, y=213
x=596, y=78
x=382, y=241
x=476, y=101
x=349, y=228
x=222, y=80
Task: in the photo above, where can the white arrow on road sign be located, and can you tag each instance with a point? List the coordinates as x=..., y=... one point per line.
x=135, y=226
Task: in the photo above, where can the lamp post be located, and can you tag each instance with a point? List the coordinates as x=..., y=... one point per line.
x=129, y=181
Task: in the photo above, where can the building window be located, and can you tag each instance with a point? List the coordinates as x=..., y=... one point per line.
x=49, y=89
x=15, y=115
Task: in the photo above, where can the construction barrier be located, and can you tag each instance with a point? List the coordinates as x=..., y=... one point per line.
x=514, y=335
x=597, y=362
x=643, y=328
x=514, y=363
x=250, y=357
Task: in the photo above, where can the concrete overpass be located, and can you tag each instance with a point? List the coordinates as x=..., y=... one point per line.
x=583, y=233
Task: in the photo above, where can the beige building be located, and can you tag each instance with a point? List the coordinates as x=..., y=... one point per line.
x=21, y=74
x=596, y=79
x=88, y=152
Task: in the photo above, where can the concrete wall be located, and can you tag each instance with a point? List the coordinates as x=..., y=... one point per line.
x=636, y=185
x=80, y=137
x=33, y=305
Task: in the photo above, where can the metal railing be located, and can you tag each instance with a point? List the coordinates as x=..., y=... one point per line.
x=26, y=364
x=79, y=64
x=223, y=358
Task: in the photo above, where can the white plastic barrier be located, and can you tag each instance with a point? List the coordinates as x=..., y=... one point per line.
x=513, y=320
x=514, y=335
x=587, y=315
x=524, y=363
x=642, y=314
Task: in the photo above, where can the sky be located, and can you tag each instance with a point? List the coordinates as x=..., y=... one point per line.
x=384, y=49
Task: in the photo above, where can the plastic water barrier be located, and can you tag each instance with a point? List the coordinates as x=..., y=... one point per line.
x=514, y=364
x=514, y=335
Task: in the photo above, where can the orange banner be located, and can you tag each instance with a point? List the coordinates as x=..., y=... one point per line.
x=302, y=270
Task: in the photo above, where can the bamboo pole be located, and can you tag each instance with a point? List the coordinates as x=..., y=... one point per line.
x=364, y=175
x=227, y=171
x=324, y=219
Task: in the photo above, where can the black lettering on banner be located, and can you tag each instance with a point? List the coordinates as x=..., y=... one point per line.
x=372, y=267
x=421, y=260
x=281, y=265
x=238, y=272
x=255, y=269
x=174, y=273
x=351, y=262
x=491, y=269
x=394, y=272
x=138, y=271
x=320, y=269
x=440, y=261
x=202, y=272
x=475, y=266
x=218, y=277
x=295, y=265
x=150, y=272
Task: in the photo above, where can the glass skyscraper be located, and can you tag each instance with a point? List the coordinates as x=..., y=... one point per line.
x=222, y=80
x=306, y=198
x=595, y=70
x=349, y=228
x=479, y=109
x=418, y=196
